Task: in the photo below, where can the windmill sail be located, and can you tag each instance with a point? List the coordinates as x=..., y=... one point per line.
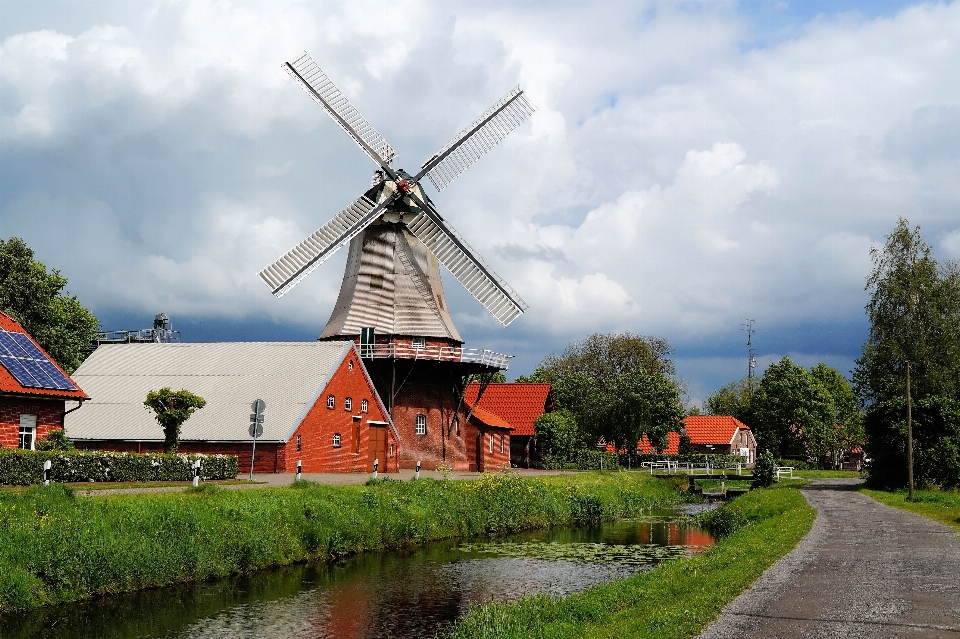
x=325, y=93
x=468, y=267
x=473, y=142
x=300, y=261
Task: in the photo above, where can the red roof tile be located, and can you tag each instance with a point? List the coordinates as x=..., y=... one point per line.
x=490, y=419
x=518, y=404
x=9, y=383
x=701, y=429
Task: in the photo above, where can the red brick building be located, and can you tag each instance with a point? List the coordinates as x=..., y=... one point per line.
x=321, y=405
x=28, y=412
x=711, y=435
x=519, y=405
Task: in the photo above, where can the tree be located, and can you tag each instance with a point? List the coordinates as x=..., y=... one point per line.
x=557, y=434
x=848, y=432
x=172, y=409
x=36, y=299
x=732, y=399
x=642, y=403
x=791, y=413
x=55, y=440
x=912, y=354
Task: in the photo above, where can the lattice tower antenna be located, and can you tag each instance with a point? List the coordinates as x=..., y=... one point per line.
x=751, y=351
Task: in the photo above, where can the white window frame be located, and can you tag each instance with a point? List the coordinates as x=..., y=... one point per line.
x=350, y=365
x=492, y=437
x=28, y=426
x=299, y=447
x=501, y=444
x=331, y=402
x=337, y=440
x=348, y=403
x=419, y=342
x=364, y=406
x=421, y=425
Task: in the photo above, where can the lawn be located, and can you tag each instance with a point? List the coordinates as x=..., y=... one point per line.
x=941, y=506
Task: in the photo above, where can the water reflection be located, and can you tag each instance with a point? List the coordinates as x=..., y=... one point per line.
x=398, y=594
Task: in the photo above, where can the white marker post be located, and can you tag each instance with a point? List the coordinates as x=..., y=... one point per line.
x=256, y=429
x=46, y=473
x=416, y=475
x=376, y=462
x=196, y=473
x=299, y=467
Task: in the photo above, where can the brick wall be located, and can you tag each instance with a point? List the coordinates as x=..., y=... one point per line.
x=426, y=395
x=49, y=413
x=317, y=430
x=487, y=461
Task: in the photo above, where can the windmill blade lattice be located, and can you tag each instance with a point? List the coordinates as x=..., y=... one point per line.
x=325, y=93
x=300, y=261
x=468, y=267
x=473, y=142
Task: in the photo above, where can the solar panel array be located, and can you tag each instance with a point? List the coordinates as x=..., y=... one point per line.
x=29, y=365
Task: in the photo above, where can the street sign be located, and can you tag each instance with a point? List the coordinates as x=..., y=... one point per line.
x=258, y=406
x=257, y=418
x=256, y=429
x=259, y=430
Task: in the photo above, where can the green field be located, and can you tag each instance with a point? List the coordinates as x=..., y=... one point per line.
x=933, y=504
x=58, y=547
x=676, y=599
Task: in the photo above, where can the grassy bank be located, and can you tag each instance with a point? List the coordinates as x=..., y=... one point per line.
x=826, y=474
x=57, y=547
x=676, y=599
x=943, y=507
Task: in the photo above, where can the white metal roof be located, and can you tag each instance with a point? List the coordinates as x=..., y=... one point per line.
x=288, y=376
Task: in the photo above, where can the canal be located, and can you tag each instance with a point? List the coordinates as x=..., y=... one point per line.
x=414, y=593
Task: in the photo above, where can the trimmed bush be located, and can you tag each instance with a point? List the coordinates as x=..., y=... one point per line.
x=24, y=467
x=715, y=461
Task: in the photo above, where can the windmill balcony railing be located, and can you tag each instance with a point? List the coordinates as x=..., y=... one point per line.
x=393, y=350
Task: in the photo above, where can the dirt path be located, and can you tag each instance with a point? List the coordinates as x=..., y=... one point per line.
x=864, y=570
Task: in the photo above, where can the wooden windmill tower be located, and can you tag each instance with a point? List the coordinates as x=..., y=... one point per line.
x=391, y=298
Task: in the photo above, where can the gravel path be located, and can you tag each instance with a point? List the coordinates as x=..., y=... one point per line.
x=864, y=570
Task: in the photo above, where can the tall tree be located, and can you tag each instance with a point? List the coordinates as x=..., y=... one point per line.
x=732, y=399
x=36, y=298
x=848, y=432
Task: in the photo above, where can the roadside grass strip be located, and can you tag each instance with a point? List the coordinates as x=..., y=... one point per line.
x=56, y=547
x=676, y=599
x=827, y=474
x=940, y=506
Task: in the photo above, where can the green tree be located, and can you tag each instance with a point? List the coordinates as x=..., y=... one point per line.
x=642, y=403
x=792, y=414
x=732, y=399
x=55, y=440
x=557, y=435
x=172, y=408
x=36, y=298
x=848, y=432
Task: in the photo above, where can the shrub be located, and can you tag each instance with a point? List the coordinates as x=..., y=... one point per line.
x=24, y=467
x=715, y=461
x=764, y=470
x=596, y=460
x=55, y=440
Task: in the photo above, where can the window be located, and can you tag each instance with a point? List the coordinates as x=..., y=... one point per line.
x=356, y=435
x=419, y=342
x=348, y=403
x=298, y=442
x=331, y=402
x=364, y=405
x=501, y=444
x=491, y=442
x=336, y=440
x=376, y=281
x=28, y=432
x=421, y=425
x=350, y=365
x=391, y=450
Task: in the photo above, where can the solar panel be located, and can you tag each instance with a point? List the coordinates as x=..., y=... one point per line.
x=29, y=365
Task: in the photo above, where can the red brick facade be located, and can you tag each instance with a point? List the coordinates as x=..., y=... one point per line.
x=49, y=414
x=480, y=442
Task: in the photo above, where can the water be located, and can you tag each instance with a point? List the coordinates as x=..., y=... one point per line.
x=415, y=593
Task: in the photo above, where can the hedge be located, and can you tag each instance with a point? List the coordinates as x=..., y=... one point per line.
x=23, y=467
x=715, y=461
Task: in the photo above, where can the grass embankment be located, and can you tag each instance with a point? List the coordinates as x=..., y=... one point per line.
x=676, y=599
x=943, y=507
x=826, y=474
x=56, y=547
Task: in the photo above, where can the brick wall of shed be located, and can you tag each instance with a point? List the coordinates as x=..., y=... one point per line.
x=487, y=461
x=317, y=429
x=49, y=413
x=431, y=398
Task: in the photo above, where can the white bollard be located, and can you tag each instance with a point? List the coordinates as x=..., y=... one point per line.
x=376, y=462
x=416, y=474
x=196, y=473
x=46, y=473
x=299, y=468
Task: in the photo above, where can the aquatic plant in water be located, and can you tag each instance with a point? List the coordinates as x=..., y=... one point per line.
x=631, y=554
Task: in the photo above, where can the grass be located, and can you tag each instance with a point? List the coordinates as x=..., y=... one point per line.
x=675, y=600
x=826, y=474
x=941, y=506
x=55, y=547
x=115, y=485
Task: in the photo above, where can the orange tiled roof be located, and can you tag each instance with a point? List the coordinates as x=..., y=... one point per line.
x=518, y=404
x=490, y=419
x=9, y=383
x=701, y=429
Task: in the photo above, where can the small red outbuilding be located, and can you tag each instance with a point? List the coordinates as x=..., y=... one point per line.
x=33, y=388
x=321, y=406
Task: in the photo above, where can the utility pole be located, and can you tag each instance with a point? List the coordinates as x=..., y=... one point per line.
x=909, y=438
x=751, y=352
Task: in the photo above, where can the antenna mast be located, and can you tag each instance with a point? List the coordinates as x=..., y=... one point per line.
x=751, y=351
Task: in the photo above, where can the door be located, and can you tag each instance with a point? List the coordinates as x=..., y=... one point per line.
x=377, y=448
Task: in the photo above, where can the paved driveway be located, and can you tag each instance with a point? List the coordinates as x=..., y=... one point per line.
x=864, y=570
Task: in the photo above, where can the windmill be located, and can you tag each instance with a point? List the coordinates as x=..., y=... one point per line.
x=395, y=229
x=391, y=284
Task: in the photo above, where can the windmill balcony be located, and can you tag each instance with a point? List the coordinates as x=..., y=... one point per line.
x=407, y=350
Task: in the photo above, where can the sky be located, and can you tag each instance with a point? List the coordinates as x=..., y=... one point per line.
x=690, y=164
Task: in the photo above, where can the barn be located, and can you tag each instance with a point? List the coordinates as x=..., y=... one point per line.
x=321, y=406
x=33, y=388
x=518, y=405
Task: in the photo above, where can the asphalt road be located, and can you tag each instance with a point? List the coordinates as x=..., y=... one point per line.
x=864, y=570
